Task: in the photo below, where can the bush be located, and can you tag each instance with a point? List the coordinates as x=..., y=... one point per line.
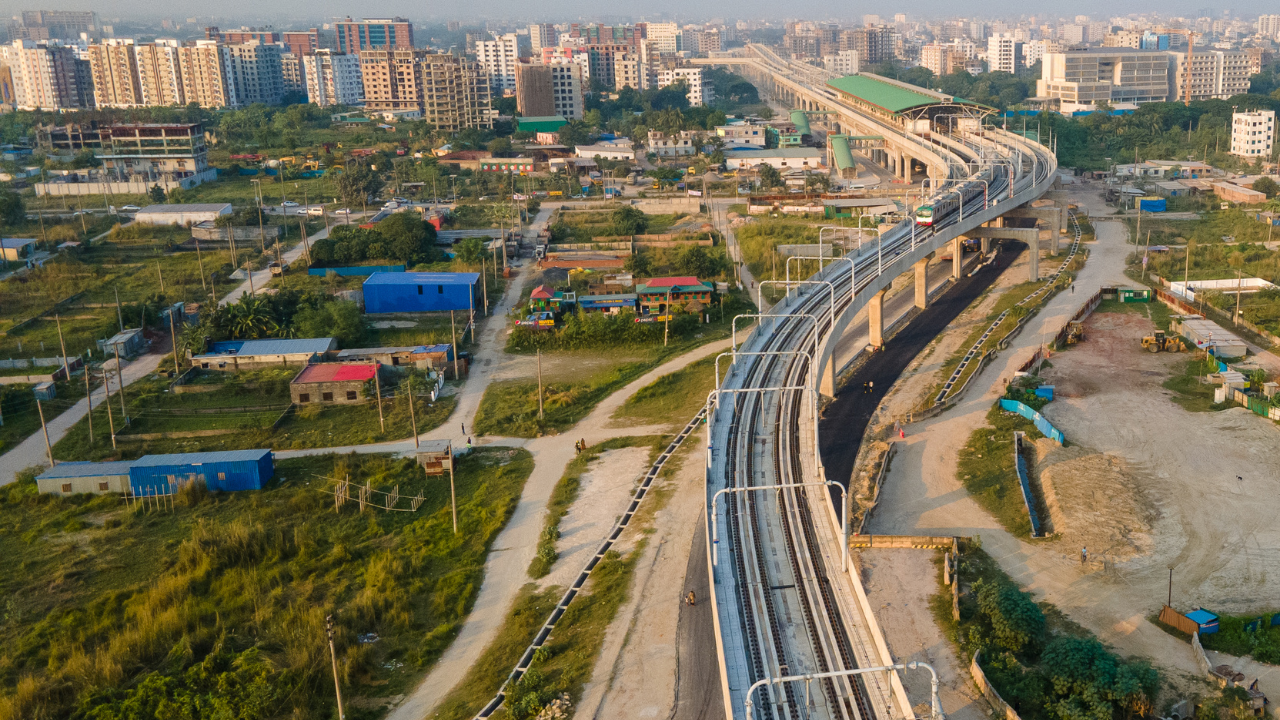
x=1016, y=621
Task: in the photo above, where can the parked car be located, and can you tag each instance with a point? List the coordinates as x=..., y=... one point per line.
x=400, y=200
x=288, y=203
x=393, y=205
x=343, y=211
x=130, y=208
x=316, y=210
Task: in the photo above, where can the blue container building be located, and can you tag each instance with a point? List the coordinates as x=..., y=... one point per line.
x=421, y=292
x=229, y=470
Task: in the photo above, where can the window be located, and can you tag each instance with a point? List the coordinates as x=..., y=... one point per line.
x=304, y=397
x=103, y=487
x=351, y=394
x=222, y=477
x=439, y=289
x=419, y=289
x=66, y=487
x=326, y=397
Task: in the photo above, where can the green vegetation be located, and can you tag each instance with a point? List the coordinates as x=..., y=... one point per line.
x=510, y=408
x=1223, y=262
x=402, y=238
x=997, y=89
x=18, y=408
x=1239, y=635
x=250, y=409
x=1212, y=228
x=566, y=492
x=986, y=469
x=1042, y=664
x=673, y=398
x=219, y=606
x=1189, y=392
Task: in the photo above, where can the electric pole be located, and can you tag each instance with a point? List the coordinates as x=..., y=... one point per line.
x=333, y=655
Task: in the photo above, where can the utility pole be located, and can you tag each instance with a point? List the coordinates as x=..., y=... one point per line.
x=249, y=265
x=262, y=238
x=333, y=655
x=666, y=324
x=412, y=418
x=111, y=423
x=173, y=334
x=47, y=447
x=119, y=312
x=66, y=366
x=305, y=245
x=539, y=383
x=484, y=283
x=200, y=261
x=120, y=379
x=377, y=385
x=453, y=332
x=1239, y=283
x=1186, y=270
x=160, y=273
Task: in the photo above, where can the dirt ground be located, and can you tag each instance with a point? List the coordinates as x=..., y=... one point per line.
x=899, y=583
x=636, y=673
x=603, y=495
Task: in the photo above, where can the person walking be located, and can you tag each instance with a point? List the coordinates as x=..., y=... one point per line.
x=1084, y=555
x=691, y=599
x=464, y=428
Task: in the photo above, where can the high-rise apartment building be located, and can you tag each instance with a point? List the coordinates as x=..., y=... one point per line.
x=936, y=58
x=1080, y=79
x=627, y=71
x=294, y=74
x=47, y=77
x=844, y=62
x=159, y=73
x=59, y=24
x=205, y=77
x=875, y=44
x=1074, y=34
x=353, y=36
x=1004, y=53
x=546, y=90
x=450, y=92
x=301, y=42
x=1123, y=39
x=664, y=36
x=541, y=35
x=1269, y=26
x=1253, y=133
x=499, y=57
x=1215, y=74
x=114, y=68
x=298, y=42
x=256, y=71
x=699, y=93
x=332, y=78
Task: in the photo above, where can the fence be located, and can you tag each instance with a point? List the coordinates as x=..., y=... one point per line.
x=1028, y=497
x=1036, y=418
x=1208, y=311
x=899, y=542
x=354, y=271
x=1178, y=621
x=997, y=703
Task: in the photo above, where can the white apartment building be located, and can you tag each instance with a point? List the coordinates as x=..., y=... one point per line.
x=627, y=71
x=257, y=72
x=1080, y=79
x=46, y=77
x=1269, y=26
x=333, y=78
x=541, y=35
x=499, y=57
x=1004, y=53
x=844, y=62
x=1073, y=34
x=159, y=73
x=566, y=89
x=936, y=58
x=681, y=144
x=1215, y=74
x=1034, y=51
x=1253, y=133
x=699, y=93
x=206, y=79
x=743, y=134
x=664, y=36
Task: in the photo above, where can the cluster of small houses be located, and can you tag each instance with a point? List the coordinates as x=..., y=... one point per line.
x=650, y=300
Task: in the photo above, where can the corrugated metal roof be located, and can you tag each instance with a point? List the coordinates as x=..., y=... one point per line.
x=882, y=94
x=193, y=207
x=12, y=243
x=355, y=352
x=423, y=278
x=270, y=347
x=199, y=458
x=334, y=372
x=614, y=297
x=86, y=469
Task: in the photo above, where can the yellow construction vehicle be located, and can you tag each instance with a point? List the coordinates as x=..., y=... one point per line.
x=1173, y=343
x=1154, y=343
x=1075, y=332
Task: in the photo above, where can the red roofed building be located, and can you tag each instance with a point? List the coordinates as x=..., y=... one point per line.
x=332, y=383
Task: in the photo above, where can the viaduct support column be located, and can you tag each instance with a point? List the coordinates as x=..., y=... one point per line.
x=875, y=319
x=957, y=258
x=922, y=282
x=1054, y=231
x=986, y=245
x=1034, y=249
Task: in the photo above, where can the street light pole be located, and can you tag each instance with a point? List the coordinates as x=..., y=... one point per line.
x=333, y=655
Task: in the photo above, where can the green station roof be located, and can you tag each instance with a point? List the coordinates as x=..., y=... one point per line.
x=540, y=123
x=892, y=98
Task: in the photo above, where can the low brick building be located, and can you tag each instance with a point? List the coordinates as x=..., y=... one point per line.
x=332, y=383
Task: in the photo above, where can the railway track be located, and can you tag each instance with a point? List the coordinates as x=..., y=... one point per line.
x=785, y=606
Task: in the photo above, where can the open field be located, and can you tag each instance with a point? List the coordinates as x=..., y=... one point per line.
x=205, y=603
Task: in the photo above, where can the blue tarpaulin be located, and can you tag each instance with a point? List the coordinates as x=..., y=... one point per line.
x=1045, y=391
x=1152, y=204
x=1039, y=420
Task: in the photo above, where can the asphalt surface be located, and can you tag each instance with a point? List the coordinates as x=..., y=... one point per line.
x=845, y=419
x=698, y=695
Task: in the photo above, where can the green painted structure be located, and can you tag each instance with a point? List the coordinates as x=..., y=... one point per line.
x=540, y=123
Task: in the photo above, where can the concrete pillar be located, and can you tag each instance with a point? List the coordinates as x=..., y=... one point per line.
x=1034, y=273
x=922, y=282
x=986, y=245
x=1053, y=233
x=1062, y=215
x=998, y=222
x=957, y=258
x=875, y=319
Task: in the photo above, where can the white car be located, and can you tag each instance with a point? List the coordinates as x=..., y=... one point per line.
x=316, y=210
x=343, y=211
x=288, y=203
x=130, y=208
x=393, y=205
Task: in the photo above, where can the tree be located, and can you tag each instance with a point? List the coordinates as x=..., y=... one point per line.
x=409, y=239
x=769, y=176
x=470, y=251
x=500, y=147
x=12, y=211
x=766, y=113
x=628, y=220
x=1016, y=621
x=1267, y=186
x=358, y=183
x=339, y=319
x=156, y=193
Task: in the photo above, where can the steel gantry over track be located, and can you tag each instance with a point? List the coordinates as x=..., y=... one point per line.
x=792, y=625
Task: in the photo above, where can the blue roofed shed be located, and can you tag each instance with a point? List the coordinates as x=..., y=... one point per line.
x=608, y=304
x=69, y=478
x=414, y=292
x=235, y=354
x=228, y=470
x=1207, y=621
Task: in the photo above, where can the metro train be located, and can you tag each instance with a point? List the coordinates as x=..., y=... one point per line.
x=928, y=214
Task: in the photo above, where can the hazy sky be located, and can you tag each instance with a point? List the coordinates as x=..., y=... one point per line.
x=285, y=11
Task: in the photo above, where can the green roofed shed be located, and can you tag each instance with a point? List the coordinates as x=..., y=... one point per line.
x=887, y=96
x=801, y=121
x=540, y=123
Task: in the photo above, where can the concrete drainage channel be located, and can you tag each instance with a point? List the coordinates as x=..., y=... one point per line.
x=545, y=631
x=973, y=351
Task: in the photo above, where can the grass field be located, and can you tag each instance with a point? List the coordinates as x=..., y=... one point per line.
x=986, y=469
x=510, y=408
x=22, y=417
x=1189, y=392
x=222, y=601
x=247, y=406
x=673, y=398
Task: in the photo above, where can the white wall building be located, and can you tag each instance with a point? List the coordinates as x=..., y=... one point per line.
x=1215, y=74
x=499, y=57
x=1253, y=133
x=844, y=62
x=699, y=93
x=333, y=78
x=47, y=77
x=1269, y=26
x=255, y=69
x=542, y=35
x=664, y=36
x=1004, y=53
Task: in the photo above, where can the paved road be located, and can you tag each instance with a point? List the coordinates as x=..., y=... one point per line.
x=261, y=278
